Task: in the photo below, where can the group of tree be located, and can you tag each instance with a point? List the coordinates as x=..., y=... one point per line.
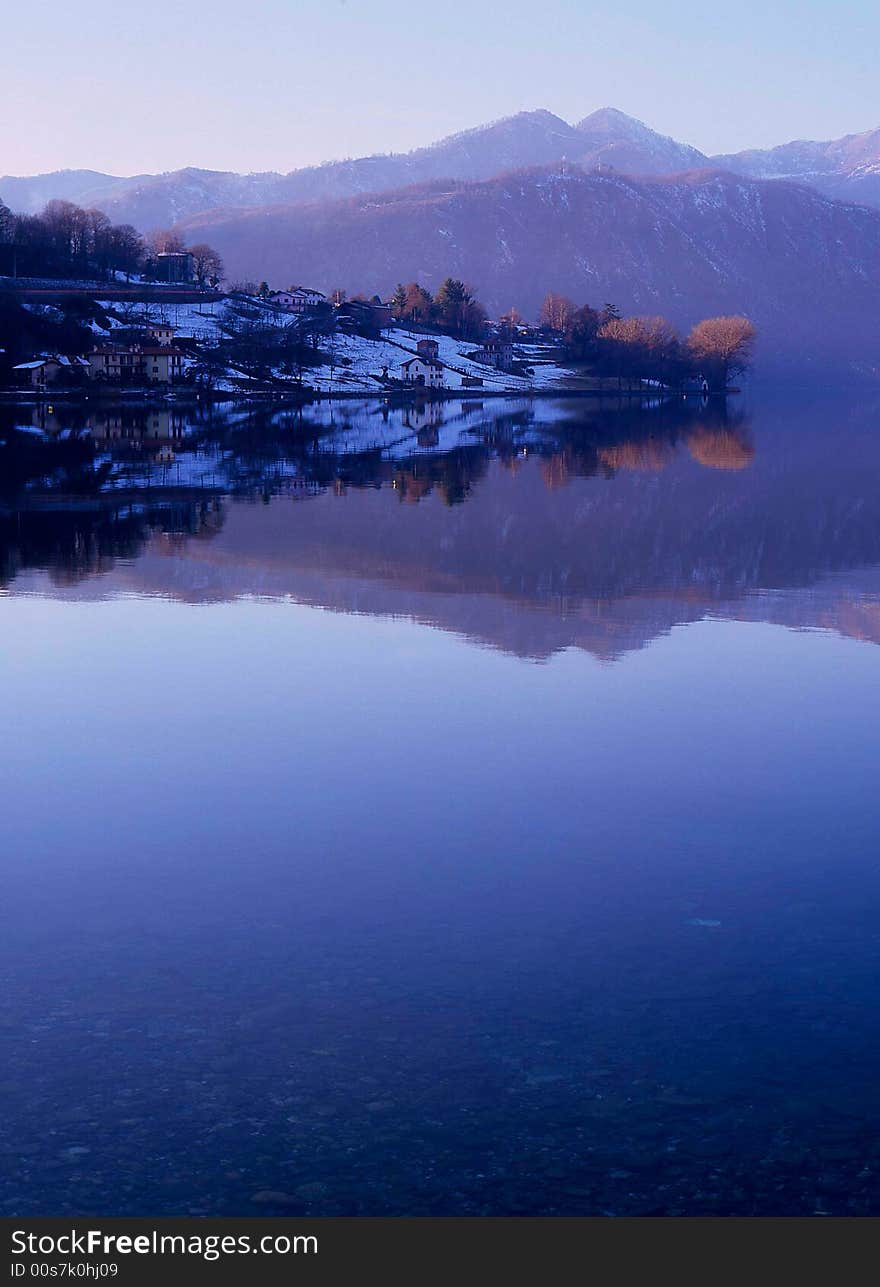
x=67, y=241
x=264, y=343
x=632, y=349
x=454, y=309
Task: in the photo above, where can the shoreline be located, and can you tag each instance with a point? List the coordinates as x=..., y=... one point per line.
x=401, y=397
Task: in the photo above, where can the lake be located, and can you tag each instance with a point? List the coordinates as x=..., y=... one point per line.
x=449, y=810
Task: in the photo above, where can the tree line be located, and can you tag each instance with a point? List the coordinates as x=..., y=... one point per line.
x=628, y=349
x=67, y=241
x=454, y=309
x=632, y=349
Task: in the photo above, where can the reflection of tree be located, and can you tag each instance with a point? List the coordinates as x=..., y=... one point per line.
x=108, y=456
x=450, y=476
x=635, y=441
x=75, y=543
x=650, y=456
x=721, y=446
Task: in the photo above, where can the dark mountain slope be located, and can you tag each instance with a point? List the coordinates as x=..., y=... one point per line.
x=806, y=269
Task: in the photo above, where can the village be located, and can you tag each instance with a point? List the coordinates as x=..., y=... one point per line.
x=174, y=332
x=277, y=340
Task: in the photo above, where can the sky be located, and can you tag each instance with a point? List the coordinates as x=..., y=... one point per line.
x=276, y=84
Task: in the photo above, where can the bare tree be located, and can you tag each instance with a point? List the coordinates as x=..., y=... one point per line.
x=166, y=242
x=556, y=312
x=638, y=347
x=125, y=248
x=207, y=264
x=723, y=345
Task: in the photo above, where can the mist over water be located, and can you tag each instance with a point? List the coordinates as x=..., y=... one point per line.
x=465, y=809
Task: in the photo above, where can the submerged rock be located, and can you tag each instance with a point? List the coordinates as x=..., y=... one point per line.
x=275, y=1198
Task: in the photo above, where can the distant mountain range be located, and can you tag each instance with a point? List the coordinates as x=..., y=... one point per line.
x=847, y=168
x=604, y=210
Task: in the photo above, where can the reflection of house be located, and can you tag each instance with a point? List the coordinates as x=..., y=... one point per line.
x=423, y=416
x=297, y=299
x=137, y=363
x=42, y=372
x=423, y=371
x=157, y=425
x=411, y=485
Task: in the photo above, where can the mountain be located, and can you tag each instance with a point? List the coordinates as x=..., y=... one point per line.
x=606, y=209
x=804, y=268
x=29, y=194
x=146, y=200
x=611, y=138
x=847, y=168
x=607, y=137
x=153, y=200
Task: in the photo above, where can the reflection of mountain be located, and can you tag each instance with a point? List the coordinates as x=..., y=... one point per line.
x=580, y=526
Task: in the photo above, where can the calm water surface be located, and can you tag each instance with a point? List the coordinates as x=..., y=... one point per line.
x=457, y=810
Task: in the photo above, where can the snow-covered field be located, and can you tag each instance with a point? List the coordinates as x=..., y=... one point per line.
x=359, y=362
x=197, y=320
x=356, y=364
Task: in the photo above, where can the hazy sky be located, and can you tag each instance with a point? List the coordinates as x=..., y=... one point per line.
x=274, y=84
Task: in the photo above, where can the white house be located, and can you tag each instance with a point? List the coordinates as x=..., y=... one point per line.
x=137, y=363
x=297, y=299
x=423, y=371
x=57, y=369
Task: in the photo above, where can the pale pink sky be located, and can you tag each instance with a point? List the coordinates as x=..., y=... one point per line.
x=275, y=84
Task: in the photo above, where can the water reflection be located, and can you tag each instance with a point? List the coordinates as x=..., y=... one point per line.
x=320, y=913
x=528, y=526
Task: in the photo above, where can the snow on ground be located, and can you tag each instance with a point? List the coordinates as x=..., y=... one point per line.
x=198, y=320
x=357, y=363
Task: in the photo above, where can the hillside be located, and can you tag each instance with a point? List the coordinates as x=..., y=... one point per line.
x=847, y=168
x=804, y=268
x=611, y=138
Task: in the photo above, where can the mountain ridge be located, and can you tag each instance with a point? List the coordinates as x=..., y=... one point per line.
x=847, y=168
x=688, y=246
